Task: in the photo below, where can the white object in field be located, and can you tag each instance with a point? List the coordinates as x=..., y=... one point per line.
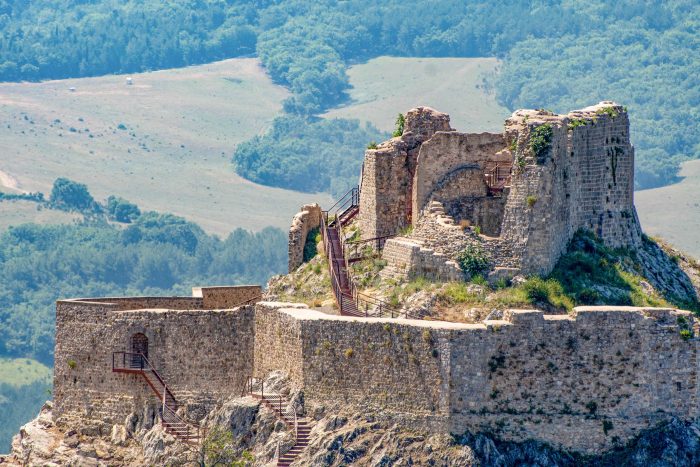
x=71, y=89
x=129, y=81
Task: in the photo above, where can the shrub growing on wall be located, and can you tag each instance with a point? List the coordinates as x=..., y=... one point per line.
x=540, y=139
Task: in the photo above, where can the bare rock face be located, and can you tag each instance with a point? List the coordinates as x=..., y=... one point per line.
x=42, y=442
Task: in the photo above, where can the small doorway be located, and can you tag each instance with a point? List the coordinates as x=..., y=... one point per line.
x=139, y=349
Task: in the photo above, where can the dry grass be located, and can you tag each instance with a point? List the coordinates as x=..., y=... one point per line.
x=673, y=212
x=385, y=86
x=181, y=125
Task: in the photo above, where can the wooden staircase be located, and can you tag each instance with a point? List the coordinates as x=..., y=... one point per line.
x=279, y=404
x=137, y=363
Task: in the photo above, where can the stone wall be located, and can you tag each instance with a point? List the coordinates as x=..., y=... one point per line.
x=584, y=179
x=409, y=259
x=457, y=161
x=304, y=221
x=216, y=298
x=202, y=355
x=278, y=342
x=584, y=382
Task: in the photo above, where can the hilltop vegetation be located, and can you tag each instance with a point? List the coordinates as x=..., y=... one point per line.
x=557, y=53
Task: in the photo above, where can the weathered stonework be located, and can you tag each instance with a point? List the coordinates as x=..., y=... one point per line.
x=582, y=179
x=304, y=221
x=583, y=382
x=202, y=354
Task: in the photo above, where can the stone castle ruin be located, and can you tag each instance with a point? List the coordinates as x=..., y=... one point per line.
x=524, y=192
x=586, y=381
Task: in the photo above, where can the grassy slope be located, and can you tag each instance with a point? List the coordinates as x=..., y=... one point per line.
x=673, y=212
x=207, y=109
x=21, y=212
x=386, y=86
x=21, y=371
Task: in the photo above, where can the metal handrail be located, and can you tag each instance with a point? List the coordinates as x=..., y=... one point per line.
x=142, y=359
x=498, y=176
x=168, y=414
x=289, y=411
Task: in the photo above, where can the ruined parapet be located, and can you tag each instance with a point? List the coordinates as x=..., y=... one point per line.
x=423, y=122
x=304, y=221
x=584, y=382
x=408, y=259
x=221, y=297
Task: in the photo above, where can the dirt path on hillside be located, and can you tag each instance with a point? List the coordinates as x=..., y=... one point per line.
x=8, y=181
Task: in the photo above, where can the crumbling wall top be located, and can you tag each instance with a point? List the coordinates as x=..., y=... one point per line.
x=424, y=122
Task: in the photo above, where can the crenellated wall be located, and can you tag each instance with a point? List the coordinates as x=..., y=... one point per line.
x=585, y=382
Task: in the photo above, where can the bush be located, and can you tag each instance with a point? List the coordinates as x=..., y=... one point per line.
x=400, y=122
x=531, y=200
x=121, y=210
x=473, y=260
x=540, y=139
x=548, y=292
x=456, y=292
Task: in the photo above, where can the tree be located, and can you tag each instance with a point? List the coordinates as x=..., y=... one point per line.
x=69, y=195
x=217, y=449
x=121, y=210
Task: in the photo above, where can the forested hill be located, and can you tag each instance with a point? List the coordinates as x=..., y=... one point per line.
x=558, y=54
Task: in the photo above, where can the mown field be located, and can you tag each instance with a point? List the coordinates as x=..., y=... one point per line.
x=385, y=86
x=673, y=212
x=164, y=142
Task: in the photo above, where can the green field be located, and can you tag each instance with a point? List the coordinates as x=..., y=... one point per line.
x=673, y=212
x=172, y=152
x=20, y=371
x=385, y=86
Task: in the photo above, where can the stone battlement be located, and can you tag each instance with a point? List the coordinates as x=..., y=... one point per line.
x=585, y=381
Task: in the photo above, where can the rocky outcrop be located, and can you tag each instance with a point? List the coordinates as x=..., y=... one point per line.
x=336, y=440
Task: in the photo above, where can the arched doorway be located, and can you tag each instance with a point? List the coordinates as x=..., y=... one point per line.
x=139, y=346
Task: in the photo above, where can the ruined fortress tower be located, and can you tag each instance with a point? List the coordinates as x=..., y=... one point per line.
x=527, y=190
